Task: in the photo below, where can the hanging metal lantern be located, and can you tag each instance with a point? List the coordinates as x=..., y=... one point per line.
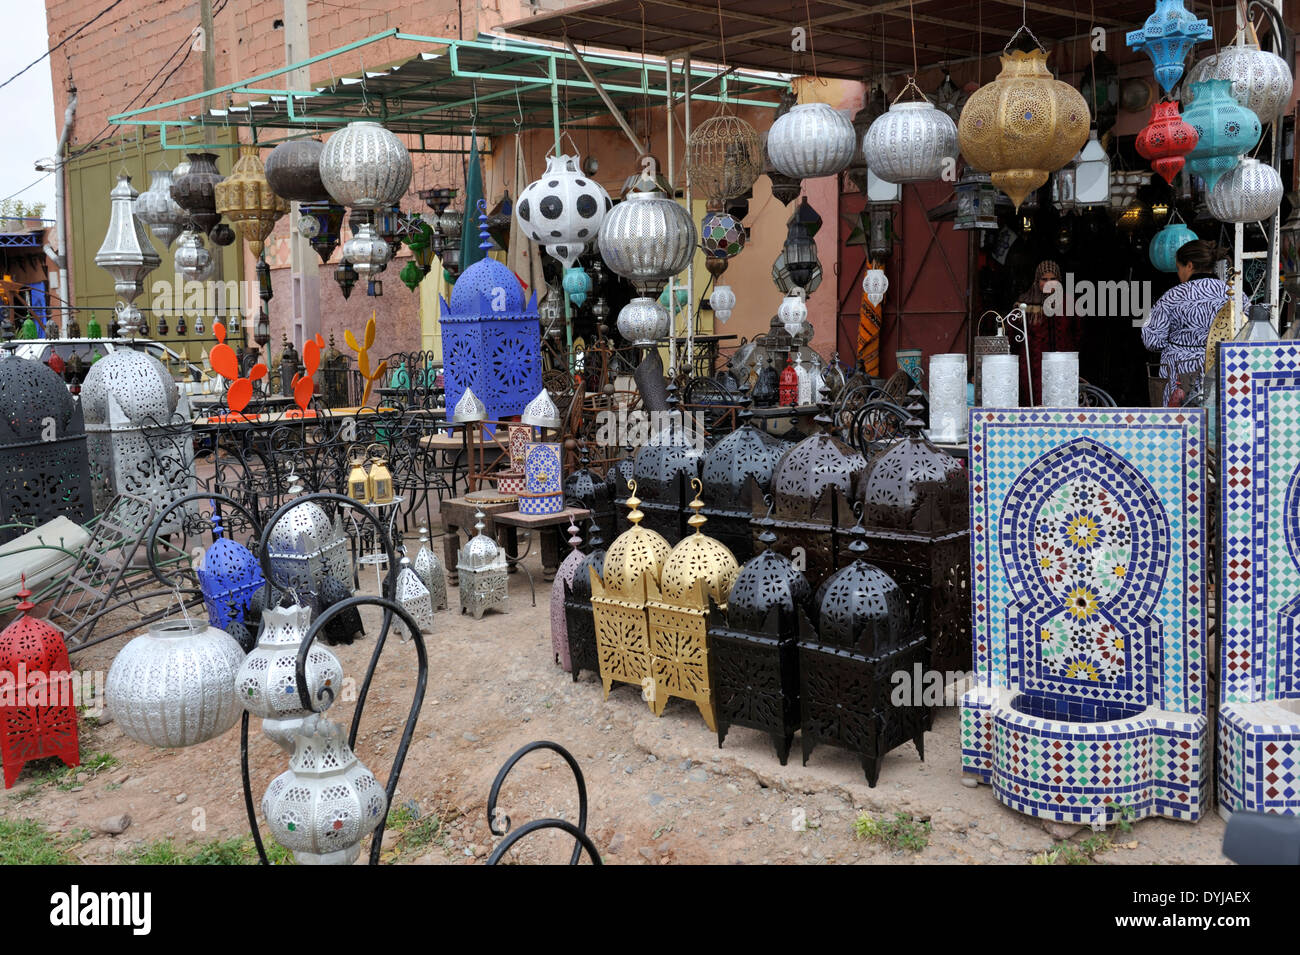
x=126, y=253
x=647, y=238
x=229, y=576
x=799, y=256
x=293, y=171
x=811, y=141
x=156, y=208
x=913, y=142
x=875, y=283
x=193, y=260
x=1169, y=33
x=346, y=277
x=1166, y=140
x=364, y=166
x=222, y=235
x=1225, y=130
x=267, y=682
x=976, y=202
x=481, y=566
x=722, y=237
x=785, y=189
x=175, y=685
x=643, y=321
x=326, y=802
x=411, y=275
x=245, y=198
x=724, y=156
x=563, y=209
x=1092, y=173
x=874, y=105
x=1023, y=126
x=367, y=251
x=429, y=569
x=1261, y=81
x=1250, y=192
x=419, y=239
x=577, y=284
x=195, y=190
x=414, y=598
x=722, y=300
x=792, y=312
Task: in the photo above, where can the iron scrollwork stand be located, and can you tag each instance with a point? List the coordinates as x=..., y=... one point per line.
x=579, y=832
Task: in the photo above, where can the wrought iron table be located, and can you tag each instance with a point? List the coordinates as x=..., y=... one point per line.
x=548, y=527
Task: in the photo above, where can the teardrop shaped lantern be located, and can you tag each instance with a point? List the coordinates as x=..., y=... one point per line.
x=564, y=207
x=246, y=199
x=1166, y=243
x=365, y=166
x=722, y=300
x=156, y=208
x=1249, y=192
x=912, y=142
x=724, y=156
x=1166, y=37
x=647, y=238
x=792, y=312
x=577, y=285
x=1225, y=130
x=126, y=253
x=1261, y=81
x=875, y=283
x=811, y=141
x=1166, y=140
x=1023, y=126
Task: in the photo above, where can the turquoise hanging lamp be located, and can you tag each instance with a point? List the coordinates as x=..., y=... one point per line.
x=577, y=284
x=1167, y=36
x=1225, y=130
x=1166, y=243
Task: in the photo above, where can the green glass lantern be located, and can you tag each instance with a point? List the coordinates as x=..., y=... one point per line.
x=411, y=274
x=419, y=239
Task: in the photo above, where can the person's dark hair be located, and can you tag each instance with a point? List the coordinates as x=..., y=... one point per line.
x=1200, y=255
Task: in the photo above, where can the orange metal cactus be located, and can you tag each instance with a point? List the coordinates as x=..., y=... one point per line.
x=303, y=385
x=225, y=363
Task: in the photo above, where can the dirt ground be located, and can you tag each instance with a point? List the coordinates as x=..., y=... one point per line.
x=661, y=791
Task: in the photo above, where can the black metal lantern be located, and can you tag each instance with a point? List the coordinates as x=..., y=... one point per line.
x=753, y=650
x=868, y=629
x=738, y=474
x=578, y=616
x=262, y=329
x=590, y=490
x=321, y=223
x=800, y=253
x=767, y=386
x=346, y=277
x=663, y=470
x=264, y=290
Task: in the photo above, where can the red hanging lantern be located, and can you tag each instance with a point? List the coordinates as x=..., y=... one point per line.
x=37, y=716
x=788, y=391
x=1166, y=140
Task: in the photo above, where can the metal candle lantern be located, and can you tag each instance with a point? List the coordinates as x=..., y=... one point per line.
x=1224, y=130
x=429, y=569
x=948, y=398
x=563, y=210
x=37, y=716
x=156, y=208
x=1060, y=379
x=175, y=685
x=293, y=171
x=245, y=198
x=1249, y=192
x=1001, y=381
x=1092, y=173
x=579, y=618
x=482, y=569
x=320, y=224
x=875, y=283
x=663, y=468
x=577, y=285
x=643, y=321
x=126, y=253
x=738, y=473
x=193, y=260
x=912, y=142
x=722, y=237
x=309, y=556
x=1166, y=37
x=195, y=190
x=364, y=166
x=810, y=141
x=414, y=598
x=563, y=581
x=722, y=300
x=229, y=576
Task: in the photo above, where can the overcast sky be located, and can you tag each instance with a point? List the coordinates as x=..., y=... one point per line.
x=27, y=104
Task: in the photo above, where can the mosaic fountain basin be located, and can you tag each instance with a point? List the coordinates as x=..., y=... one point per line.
x=1259, y=757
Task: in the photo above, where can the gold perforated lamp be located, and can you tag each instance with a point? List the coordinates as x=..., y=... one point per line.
x=1023, y=126
x=247, y=200
x=635, y=553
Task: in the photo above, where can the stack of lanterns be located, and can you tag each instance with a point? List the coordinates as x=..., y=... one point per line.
x=372, y=486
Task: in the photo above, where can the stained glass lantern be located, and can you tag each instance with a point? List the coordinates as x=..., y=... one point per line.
x=562, y=584
x=1166, y=37
x=915, y=510
x=175, y=685
x=293, y=171
x=482, y=568
x=753, y=648
x=310, y=557
x=1261, y=81
x=491, y=337
x=1166, y=140
x=229, y=576
x=429, y=569
x=156, y=208
x=867, y=630
x=195, y=190
x=364, y=166
x=724, y=156
x=579, y=618
x=738, y=473
x=126, y=253
x=810, y=141
x=912, y=142
x=327, y=801
x=577, y=285
x=664, y=468
x=346, y=277
x=37, y=715
x=1023, y=126
x=976, y=201
x=414, y=598
x=1166, y=243
x=1249, y=192
x=138, y=432
x=246, y=199
x=266, y=684
x=1225, y=130
x=563, y=210
x=44, y=473
x=320, y=223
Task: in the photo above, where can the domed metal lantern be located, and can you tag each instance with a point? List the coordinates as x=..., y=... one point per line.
x=1023, y=126
x=753, y=648
x=738, y=473
x=175, y=685
x=867, y=630
x=1166, y=243
x=482, y=569
x=414, y=598
x=590, y=491
x=912, y=142
x=1261, y=81
x=811, y=141
x=327, y=801
x=540, y=413
x=647, y=238
x=293, y=171
x=310, y=556
x=1166, y=140
x=563, y=210
x=195, y=190
x=643, y=321
x=697, y=573
x=563, y=581
x=229, y=577
x=1167, y=36
x=126, y=253
x=724, y=156
x=429, y=569
x=1249, y=192
x=156, y=208
x=664, y=468
x=1225, y=130
x=266, y=683
x=364, y=166
x=579, y=617
x=193, y=260
x=915, y=510
x=43, y=473
x=246, y=199
x=368, y=252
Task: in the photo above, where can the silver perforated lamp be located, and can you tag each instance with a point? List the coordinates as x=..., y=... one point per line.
x=414, y=597
x=429, y=569
x=126, y=253
x=541, y=412
x=469, y=409
x=156, y=208
x=482, y=568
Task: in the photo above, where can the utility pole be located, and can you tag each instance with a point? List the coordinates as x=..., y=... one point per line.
x=303, y=263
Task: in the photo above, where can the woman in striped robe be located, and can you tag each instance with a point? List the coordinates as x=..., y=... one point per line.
x=1179, y=324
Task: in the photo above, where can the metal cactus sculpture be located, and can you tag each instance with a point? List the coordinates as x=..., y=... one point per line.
x=363, y=357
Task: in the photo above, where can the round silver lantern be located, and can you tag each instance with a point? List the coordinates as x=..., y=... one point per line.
x=365, y=166
x=643, y=321
x=1261, y=81
x=875, y=283
x=327, y=801
x=647, y=238
x=563, y=210
x=193, y=260
x=175, y=685
x=792, y=312
x=811, y=141
x=722, y=300
x=910, y=143
x=156, y=208
x=1247, y=193
x=266, y=684
x=367, y=251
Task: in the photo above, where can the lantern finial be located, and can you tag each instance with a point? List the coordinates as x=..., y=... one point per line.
x=697, y=520
x=634, y=513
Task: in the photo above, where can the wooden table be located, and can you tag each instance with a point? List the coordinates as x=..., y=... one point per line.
x=457, y=515
x=549, y=528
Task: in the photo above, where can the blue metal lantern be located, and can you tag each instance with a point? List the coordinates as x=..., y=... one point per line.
x=1225, y=130
x=491, y=336
x=229, y=578
x=1166, y=243
x=1168, y=34
x=577, y=284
